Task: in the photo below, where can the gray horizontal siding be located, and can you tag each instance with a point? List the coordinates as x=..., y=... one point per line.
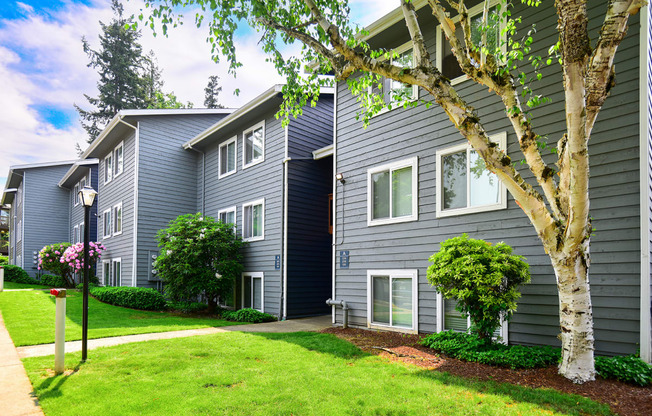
x=46, y=211
x=403, y=133
x=264, y=180
x=167, y=182
x=312, y=130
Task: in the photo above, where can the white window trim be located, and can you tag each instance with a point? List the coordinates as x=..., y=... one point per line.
x=501, y=140
x=19, y=231
x=473, y=11
x=224, y=145
x=75, y=234
x=256, y=275
x=414, y=163
x=113, y=262
x=81, y=235
x=251, y=204
x=104, y=227
x=246, y=165
x=75, y=192
x=104, y=277
x=394, y=273
x=233, y=209
x=113, y=221
x=108, y=173
x=415, y=88
x=504, y=325
x=117, y=172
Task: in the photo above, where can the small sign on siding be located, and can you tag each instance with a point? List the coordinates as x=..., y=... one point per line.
x=277, y=262
x=344, y=259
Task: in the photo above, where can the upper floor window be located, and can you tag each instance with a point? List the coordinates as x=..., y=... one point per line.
x=75, y=238
x=393, y=91
x=447, y=62
x=19, y=197
x=106, y=220
x=117, y=219
x=228, y=157
x=464, y=185
x=108, y=168
x=227, y=216
x=75, y=194
x=392, y=192
x=19, y=231
x=81, y=232
x=253, y=150
x=253, y=220
x=118, y=159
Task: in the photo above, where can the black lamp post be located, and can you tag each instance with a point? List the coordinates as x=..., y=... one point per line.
x=87, y=197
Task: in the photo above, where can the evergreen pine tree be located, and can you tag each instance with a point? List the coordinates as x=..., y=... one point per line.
x=211, y=91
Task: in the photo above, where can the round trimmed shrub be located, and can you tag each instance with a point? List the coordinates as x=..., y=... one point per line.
x=130, y=297
x=17, y=274
x=248, y=315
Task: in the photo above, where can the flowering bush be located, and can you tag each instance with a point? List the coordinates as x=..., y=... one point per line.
x=49, y=259
x=74, y=255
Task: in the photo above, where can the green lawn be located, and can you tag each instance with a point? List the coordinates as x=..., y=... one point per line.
x=29, y=318
x=273, y=374
x=14, y=285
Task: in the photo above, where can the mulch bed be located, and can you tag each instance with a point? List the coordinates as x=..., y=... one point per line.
x=624, y=399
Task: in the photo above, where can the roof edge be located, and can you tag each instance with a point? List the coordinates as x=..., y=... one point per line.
x=73, y=168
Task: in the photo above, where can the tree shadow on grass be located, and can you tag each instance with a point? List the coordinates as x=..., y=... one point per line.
x=549, y=399
x=323, y=343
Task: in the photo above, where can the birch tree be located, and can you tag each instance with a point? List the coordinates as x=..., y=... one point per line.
x=557, y=204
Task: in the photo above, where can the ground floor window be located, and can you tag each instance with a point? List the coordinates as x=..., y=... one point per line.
x=111, y=272
x=392, y=298
x=452, y=319
x=250, y=291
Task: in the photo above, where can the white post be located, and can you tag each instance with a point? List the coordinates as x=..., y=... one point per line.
x=59, y=330
x=2, y=278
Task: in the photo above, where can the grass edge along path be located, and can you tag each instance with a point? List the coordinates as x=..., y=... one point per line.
x=29, y=318
x=274, y=374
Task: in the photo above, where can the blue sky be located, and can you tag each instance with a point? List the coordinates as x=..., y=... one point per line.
x=43, y=70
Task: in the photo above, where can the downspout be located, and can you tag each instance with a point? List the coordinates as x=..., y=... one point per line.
x=22, y=221
x=284, y=281
x=334, y=207
x=203, y=178
x=644, y=182
x=134, y=260
x=345, y=310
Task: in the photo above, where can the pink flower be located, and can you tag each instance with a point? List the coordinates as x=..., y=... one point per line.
x=47, y=255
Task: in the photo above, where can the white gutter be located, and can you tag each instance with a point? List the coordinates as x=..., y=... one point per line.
x=334, y=207
x=73, y=169
x=134, y=260
x=323, y=152
x=644, y=182
x=22, y=222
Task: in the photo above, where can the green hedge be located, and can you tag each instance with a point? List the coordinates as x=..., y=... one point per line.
x=4, y=260
x=53, y=281
x=130, y=297
x=186, y=307
x=248, y=315
x=18, y=275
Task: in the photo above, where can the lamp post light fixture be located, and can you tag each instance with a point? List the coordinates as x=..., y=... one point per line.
x=87, y=198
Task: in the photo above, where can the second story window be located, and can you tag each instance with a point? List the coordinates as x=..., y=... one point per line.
x=228, y=157
x=106, y=220
x=227, y=216
x=254, y=145
x=118, y=158
x=108, y=168
x=392, y=192
x=393, y=91
x=253, y=220
x=75, y=194
x=117, y=219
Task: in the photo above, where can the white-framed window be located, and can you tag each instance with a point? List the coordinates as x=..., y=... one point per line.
x=82, y=185
x=108, y=168
x=253, y=290
x=19, y=231
x=116, y=272
x=227, y=215
x=253, y=220
x=75, y=194
x=446, y=61
x=392, y=192
x=19, y=196
x=118, y=159
x=394, y=91
x=116, y=218
x=81, y=232
x=464, y=185
x=450, y=319
x=228, y=156
x=253, y=148
x=392, y=299
x=75, y=238
x=106, y=220
x=106, y=272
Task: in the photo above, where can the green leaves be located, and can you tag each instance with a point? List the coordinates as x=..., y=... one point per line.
x=482, y=277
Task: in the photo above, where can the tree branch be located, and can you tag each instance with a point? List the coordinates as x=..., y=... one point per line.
x=600, y=77
x=421, y=55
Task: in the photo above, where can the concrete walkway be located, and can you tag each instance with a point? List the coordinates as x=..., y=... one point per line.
x=292, y=325
x=16, y=397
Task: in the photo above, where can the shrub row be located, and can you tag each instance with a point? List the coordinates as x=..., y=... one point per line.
x=53, y=281
x=248, y=315
x=469, y=347
x=130, y=297
x=16, y=274
x=186, y=307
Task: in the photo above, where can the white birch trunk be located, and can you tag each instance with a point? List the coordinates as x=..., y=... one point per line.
x=575, y=315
